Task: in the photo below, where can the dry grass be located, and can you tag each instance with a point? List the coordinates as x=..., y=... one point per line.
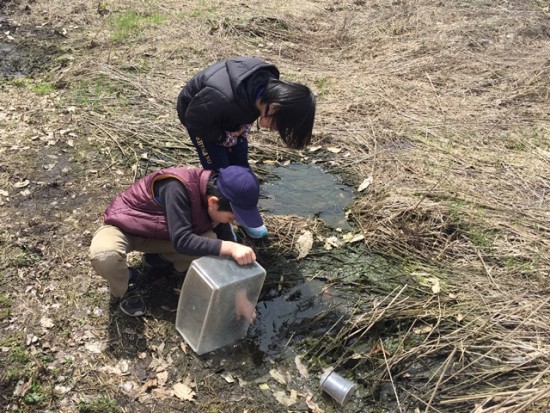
x=444, y=105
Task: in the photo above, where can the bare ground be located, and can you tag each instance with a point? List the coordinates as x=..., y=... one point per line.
x=444, y=104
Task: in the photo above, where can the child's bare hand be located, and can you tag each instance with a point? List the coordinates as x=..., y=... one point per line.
x=240, y=253
x=243, y=254
x=244, y=308
x=239, y=132
x=243, y=131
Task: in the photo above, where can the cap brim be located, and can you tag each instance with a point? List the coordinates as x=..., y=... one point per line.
x=249, y=217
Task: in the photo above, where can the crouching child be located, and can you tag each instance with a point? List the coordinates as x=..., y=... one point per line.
x=174, y=215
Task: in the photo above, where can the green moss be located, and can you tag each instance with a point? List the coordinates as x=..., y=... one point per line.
x=19, y=355
x=42, y=88
x=101, y=404
x=473, y=228
x=96, y=92
x=130, y=25
x=322, y=86
x=36, y=394
x=17, y=258
x=5, y=307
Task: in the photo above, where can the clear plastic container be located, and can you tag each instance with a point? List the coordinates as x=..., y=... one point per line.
x=216, y=301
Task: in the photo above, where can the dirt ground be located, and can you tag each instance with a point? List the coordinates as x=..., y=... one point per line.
x=435, y=112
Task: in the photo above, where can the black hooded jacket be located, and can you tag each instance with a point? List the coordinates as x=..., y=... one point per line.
x=222, y=97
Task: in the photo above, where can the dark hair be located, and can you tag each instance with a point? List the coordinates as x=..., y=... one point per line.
x=295, y=113
x=212, y=190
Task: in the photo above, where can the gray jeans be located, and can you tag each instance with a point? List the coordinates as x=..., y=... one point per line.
x=108, y=255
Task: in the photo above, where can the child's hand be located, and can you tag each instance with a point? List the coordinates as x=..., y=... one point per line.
x=240, y=253
x=243, y=131
x=237, y=133
x=244, y=308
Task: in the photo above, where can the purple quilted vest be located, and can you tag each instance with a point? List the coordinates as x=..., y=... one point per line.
x=136, y=211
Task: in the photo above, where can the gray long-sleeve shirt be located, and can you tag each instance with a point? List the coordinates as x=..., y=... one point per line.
x=174, y=198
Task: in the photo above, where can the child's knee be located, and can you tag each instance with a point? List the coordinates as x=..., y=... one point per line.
x=107, y=262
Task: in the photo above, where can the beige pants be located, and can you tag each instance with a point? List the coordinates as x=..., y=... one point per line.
x=108, y=255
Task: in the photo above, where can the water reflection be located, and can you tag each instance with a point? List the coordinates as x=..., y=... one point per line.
x=278, y=316
x=308, y=191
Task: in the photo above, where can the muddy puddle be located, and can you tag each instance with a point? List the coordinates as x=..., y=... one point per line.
x=303, y=315
x=305, y=303
x=283, y=314
x=325, y=288
x=26, y=51
x=306, y=191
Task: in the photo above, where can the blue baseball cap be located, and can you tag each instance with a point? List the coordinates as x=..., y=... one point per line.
x=241, y=187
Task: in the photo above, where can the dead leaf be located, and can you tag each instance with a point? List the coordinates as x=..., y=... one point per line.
x=312, y=406
x=149, y=385
x=31, y=339
x=278, y=377
x=304, y=244
x=183, y=392
x=332, y=242
x=21, y=184
x=436, y=288
x=228, y=377
x=264, y=386
x=46, y=322
x=128, y=387
x=365, y=184
x=301, y=368
x=60, y=390
x=162, y=378
x=162, y=393
x=22, y=387
x=314, y=148
x=123, y=366
x=423, y=330
x=95, y=347
x=350, y=238
x=284, y=399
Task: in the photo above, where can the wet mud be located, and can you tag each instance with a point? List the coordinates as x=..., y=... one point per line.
x=25, y=50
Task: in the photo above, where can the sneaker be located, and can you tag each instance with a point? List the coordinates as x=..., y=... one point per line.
x=133, y=305
x=256, y=233
x=157, y=261
x=134, y=281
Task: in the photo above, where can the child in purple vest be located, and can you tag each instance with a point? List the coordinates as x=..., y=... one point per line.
x=174, y=215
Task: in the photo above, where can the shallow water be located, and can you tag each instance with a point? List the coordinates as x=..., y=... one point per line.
x=278, y=316
x=307, y=191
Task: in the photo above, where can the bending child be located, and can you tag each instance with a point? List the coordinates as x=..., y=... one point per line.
x=219, y=105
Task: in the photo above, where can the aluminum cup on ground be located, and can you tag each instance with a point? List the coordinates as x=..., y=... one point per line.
x=339, y=388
